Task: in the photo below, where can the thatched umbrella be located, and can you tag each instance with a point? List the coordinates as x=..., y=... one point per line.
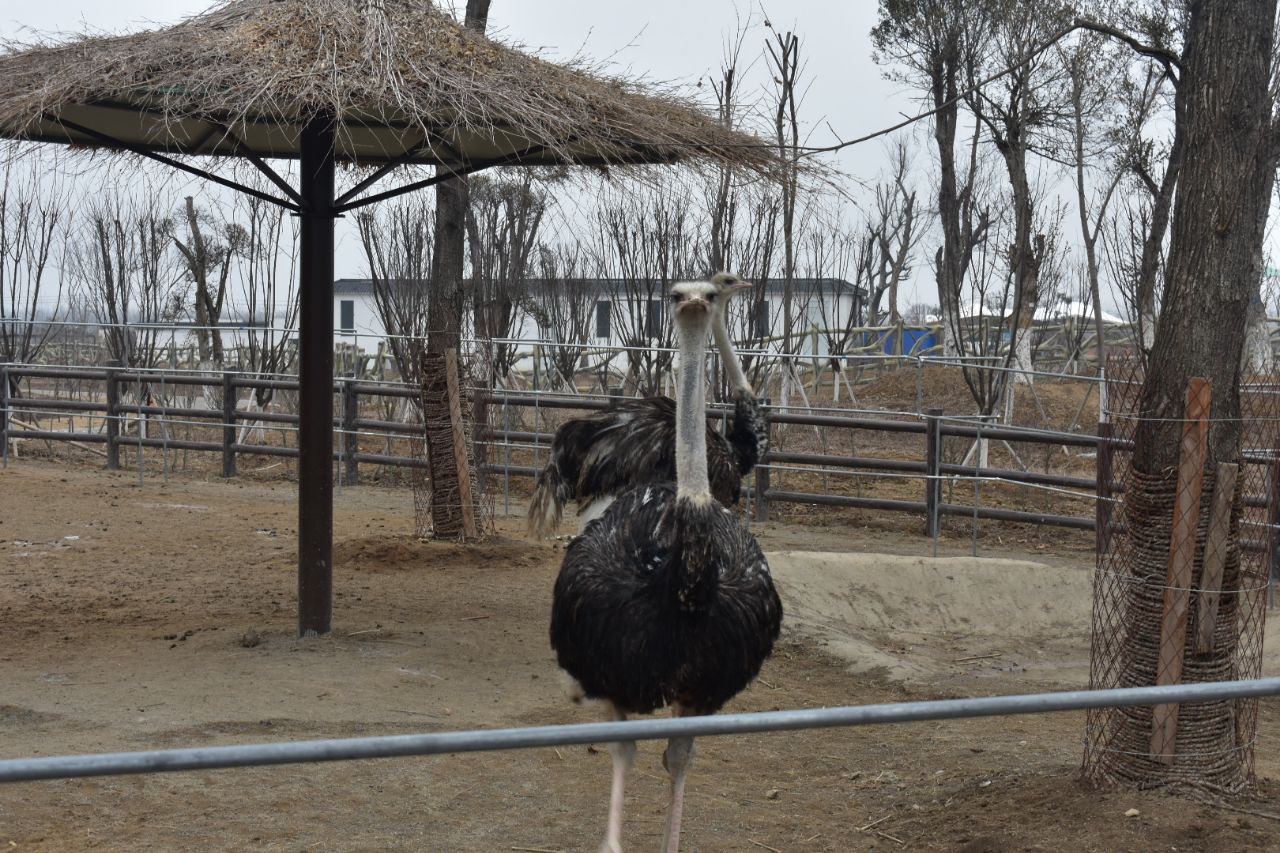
x=365, y=82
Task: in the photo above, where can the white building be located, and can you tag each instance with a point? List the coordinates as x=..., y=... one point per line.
x=616, y=312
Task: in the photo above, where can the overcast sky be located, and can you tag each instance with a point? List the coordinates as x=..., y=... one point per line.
x=667, y=40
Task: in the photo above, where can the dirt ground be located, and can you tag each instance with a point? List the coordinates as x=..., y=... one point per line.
x=148, y=616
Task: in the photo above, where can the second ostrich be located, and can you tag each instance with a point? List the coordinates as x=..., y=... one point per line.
x=594, y=458
x=666, y=599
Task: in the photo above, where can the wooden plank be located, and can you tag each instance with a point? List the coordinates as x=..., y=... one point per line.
x=1192, y=453
x=1215, y=555
x=452, y=382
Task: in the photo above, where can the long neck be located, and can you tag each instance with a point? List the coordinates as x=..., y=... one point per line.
x=729, y=358
x=691, y=422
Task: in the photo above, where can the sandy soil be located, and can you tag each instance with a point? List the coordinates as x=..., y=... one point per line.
x=136, y=617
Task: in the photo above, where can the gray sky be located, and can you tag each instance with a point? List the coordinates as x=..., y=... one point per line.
x=667, y=40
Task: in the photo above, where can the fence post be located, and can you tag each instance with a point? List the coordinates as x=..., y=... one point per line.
x=350, y=441
x=933, y=473
x=228, y=424
x=113, y=421
x=762, y=470
x=4, y=414
x=1102, y=504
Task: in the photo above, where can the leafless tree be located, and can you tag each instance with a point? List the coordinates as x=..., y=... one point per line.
x=33, y=217
x=930, y=45
x=123, y=264
x=397, y=243
x=1018, y=111
x=503, y=220
x=267, y=278
x=1097, y=141
x=208, y=264
x=893, y=233
x=647, y=240
x=564, y=306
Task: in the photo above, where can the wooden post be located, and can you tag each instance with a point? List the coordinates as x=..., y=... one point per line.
x=228, y=424
x=1215, y=555
x=933, y=473
x=1193, y=450
x=762, y=473
x=1102, y=505
x=452, y=382
x=350, y=440
x=113, y=421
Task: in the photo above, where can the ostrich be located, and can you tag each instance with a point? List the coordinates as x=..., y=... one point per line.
x=596, y=457
x=666, y=599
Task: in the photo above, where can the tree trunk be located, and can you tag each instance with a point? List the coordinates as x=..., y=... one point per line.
x=1219, y=209
x=447, y=306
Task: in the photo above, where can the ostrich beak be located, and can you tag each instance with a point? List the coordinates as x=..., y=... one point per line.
x=692, y=302
x=740, y=285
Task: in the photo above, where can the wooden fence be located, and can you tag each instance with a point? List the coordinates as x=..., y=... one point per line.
x=931, y=467
x=108, y=405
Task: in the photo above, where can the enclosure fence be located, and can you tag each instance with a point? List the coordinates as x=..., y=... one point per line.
x=390, y=746
x=137, y=411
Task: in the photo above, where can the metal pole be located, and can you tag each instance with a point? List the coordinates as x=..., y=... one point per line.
x=391, y=746
x=4, y=414
x=113, y=421
x=933, y=473
x=315, y=380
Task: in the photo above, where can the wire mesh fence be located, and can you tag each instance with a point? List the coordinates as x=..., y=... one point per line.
x=1180, y=592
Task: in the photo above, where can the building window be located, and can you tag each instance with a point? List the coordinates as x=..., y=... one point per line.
x=347, y=315
x=653, y=319
x=761, y=325
x=602, y=318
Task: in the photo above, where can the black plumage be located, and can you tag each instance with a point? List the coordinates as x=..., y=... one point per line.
x=663, y=602
x=631, y=443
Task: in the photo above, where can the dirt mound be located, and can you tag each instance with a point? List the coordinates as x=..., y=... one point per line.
x=926, y=619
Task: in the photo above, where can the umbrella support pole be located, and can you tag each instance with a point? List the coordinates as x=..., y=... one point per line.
x=315, y=380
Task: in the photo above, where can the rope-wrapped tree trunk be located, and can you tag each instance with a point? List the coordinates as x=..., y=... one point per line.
x=1222, y=115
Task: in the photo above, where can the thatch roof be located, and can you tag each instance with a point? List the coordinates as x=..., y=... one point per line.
x=399, y=74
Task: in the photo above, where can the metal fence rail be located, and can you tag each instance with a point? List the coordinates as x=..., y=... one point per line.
x=391, y=746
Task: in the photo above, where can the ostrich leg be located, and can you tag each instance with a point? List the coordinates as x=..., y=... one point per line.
x=677, y=758
x=624, y=755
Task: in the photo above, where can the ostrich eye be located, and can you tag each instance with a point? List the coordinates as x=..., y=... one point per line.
x=711, y=297
x=676, y=297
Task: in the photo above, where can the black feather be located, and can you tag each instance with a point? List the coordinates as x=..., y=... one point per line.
x=664, y=600
x=631, y=443
x=749, y=432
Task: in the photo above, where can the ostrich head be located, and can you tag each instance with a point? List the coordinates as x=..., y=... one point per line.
x=694, y=299
x=727, y=284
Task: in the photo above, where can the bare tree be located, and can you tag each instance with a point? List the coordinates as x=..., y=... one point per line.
x=397, y=242
x=32, y=238
x=502, y=228
x=1097, y=142
x=122, y=263
x=564, y=304
x=268, y=290
x=208, y=263
x=893, y=233
x=931, y=44
x=1017, y=111
x=646, y=239
x=1223, y=123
